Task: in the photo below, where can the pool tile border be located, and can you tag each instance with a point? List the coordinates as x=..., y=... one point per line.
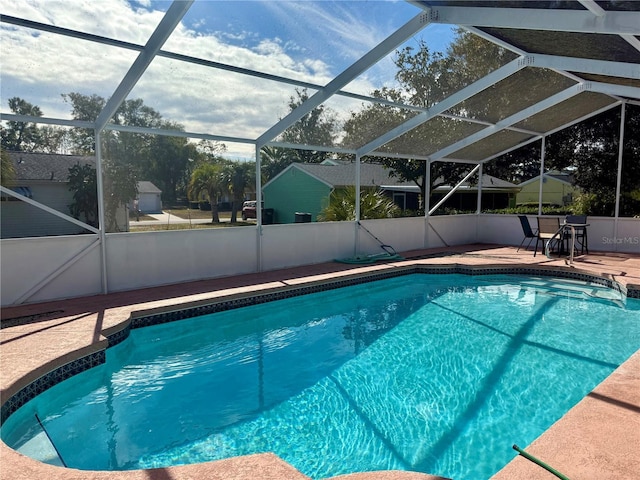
x=141, y=319
x=50, y=379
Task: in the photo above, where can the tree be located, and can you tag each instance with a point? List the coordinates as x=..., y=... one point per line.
x=239, y=177
x=82, y=182
x=28, y=136
x=86, y=108
x=591, y=149
x=425, y=78
x=8, y=171
x=119, y=189
x=21, y=136
x=518, y=165
x=120, y=186
x=167, y=161
x=274, y=160
x=317, y=127
x=207, y=179
x=373, y=204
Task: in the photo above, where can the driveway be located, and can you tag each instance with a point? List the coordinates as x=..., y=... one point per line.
x=167, y=218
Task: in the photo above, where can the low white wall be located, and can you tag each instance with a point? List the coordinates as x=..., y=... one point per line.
x=144, y=259
x=403, y=234
x=602, y=237
x=294, y=244
x=452, y=229
x=608, y=237
x=27, y=262
x=137, y=260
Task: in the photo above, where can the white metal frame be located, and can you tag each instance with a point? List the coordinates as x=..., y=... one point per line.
x=593, y=19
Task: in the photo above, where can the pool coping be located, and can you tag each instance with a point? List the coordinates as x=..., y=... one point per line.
x=25, y=388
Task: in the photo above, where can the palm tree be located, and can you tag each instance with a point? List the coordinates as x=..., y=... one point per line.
x=373, y=204
x=208, y=179
x=275, y=160
x=238, y=178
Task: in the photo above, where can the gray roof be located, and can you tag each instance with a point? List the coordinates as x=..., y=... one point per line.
x=488, y=183
x=50, y=167
x=562, y=176
x=371, y=174
x=147, y=187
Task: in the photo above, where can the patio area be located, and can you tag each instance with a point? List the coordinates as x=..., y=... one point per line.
x=598, y=438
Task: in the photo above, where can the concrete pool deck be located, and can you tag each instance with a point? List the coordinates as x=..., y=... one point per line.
x=597, y=439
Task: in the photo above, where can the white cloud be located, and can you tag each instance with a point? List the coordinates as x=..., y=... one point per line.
x=39, y=67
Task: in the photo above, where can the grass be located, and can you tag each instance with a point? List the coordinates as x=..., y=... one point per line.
x=139, y=217
x=186, y=213
x=185, y=226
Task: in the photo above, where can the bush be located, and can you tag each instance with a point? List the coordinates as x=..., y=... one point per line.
x=533, y=210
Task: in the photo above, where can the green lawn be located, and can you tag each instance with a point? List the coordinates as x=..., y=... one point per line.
x=185, y=226
x=186, y=213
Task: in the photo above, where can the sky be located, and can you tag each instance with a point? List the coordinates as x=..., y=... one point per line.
x=311, y=41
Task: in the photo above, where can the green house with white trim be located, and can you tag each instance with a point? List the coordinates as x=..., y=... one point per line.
x=306, y=188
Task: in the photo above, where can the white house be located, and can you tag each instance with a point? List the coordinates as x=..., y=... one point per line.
x=149, y=198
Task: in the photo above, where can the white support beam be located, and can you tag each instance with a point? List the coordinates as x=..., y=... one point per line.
x=479, y=198
x=550, y=132
x=316, y=148
x=358, y=186
x=476, y=87
x=593, y=7
x=177, y=133
x=454, y=189
x=586, y=65
x=632, y=40
x=102, y=223
x=425, y=201
x=543, y=150
x=179, y=57
x=497, y=41
x=612, y=89
x=13, y=117
x=351, y=73
x=515, y=118
x=259, y=261
x=619, y=173
x=581, y=21
x=161, y=34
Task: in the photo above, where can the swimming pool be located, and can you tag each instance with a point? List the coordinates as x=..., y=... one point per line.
x=440, y=374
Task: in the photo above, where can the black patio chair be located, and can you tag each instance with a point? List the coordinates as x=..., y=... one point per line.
x=528, y=232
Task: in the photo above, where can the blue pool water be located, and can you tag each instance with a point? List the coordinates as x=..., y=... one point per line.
x=439, y=374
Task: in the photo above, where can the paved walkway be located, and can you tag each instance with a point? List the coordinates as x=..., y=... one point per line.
x=166, y=219
x=598, y=439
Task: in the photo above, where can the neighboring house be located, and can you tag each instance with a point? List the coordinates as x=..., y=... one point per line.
x=557, y=189
x=149, y=198
x=496, y=194
x=306, y=187
x=44, y=178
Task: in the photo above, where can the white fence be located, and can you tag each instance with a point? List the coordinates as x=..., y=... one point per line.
x=49, y=268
